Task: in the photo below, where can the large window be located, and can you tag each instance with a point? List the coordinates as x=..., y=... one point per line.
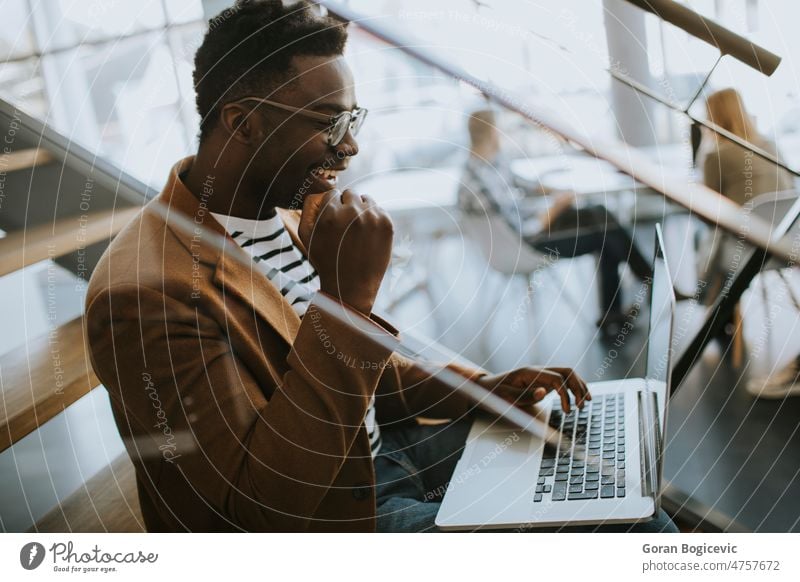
x=115, y=77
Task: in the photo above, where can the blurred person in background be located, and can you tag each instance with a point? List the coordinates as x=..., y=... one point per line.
x=740, y=175
x=561, y=228
x=730, y=169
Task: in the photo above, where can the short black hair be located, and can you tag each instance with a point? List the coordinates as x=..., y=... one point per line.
x=249, y=47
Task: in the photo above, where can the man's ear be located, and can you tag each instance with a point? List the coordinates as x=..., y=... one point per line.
x=243, y=124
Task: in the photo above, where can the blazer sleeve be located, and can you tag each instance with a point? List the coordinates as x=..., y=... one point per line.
x=428, y=397
x=264, y=465
x=419, y=393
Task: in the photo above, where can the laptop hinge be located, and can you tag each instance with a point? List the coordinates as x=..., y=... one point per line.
x=649, y=436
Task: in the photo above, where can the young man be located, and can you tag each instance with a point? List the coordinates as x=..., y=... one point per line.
x=242, y=404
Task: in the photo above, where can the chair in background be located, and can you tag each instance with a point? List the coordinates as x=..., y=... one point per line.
x=509, y=257
x=775, y=207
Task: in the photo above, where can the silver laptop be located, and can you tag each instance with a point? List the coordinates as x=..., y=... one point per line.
x=606, y=467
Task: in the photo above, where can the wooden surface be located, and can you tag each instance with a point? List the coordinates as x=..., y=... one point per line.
x=24, y=159
x=40, y=379
x=34, y=244
x=108, y=502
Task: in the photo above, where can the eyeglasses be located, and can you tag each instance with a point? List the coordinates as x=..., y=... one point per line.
x=338, y=124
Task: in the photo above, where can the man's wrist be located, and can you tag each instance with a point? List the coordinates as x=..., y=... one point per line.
x=361, y=304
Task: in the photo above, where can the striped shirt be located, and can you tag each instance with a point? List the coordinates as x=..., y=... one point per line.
x=288, y=269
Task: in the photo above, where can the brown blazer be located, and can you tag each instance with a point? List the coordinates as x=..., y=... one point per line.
x=236, y=414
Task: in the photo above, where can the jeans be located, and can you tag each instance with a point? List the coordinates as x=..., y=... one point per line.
x=580, y=231
x=412, y=471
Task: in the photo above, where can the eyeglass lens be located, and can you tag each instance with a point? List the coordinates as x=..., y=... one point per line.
x=343, y=123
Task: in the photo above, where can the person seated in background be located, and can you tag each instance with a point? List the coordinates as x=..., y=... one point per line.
x=740, y=175
x=730, y=169
x=562, y=227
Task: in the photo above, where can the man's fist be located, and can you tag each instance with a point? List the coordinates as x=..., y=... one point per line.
x=349, y=243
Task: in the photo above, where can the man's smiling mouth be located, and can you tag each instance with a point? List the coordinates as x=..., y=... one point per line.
x=327, y=175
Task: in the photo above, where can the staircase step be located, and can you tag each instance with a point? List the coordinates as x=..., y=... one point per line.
x=108, y=502
x=42, y=378
x=31, y=245
x=24, y=159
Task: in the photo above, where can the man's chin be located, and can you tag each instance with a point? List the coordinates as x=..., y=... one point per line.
x=308, y=188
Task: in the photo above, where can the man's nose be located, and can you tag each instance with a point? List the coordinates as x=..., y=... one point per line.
x=348, y=146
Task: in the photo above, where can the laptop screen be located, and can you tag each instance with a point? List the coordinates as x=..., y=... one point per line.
x=659, y=364
x=662, y=306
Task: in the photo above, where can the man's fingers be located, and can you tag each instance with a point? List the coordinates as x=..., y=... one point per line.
x=564, y=394
x=350, y=197
x=576, y=384
x=552, y=380
x=312, y=206
x=566, y=380
x=535, y=383
x=314, y=202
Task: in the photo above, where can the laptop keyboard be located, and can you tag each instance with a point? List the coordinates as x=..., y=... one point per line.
x=590, y=460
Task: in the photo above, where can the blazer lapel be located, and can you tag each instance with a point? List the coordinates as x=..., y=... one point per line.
x=250, y=285
x=235, y=271
x=291, y=220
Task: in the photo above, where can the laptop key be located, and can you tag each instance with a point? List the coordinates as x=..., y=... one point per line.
x=620, y=491
x=608, y=455
x=590, y=485
x=607, y=480
x=582, y=496
x=575, y=488
x=559, y=492
x=546, y=463
x=546, y=472
x=592, y=477
x=548, y=488
x=537, y=497
x=539, y=488
x=562, y=477
x=576, y=480
x=607, y=492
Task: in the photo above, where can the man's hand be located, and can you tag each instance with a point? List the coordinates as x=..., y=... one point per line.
x=349, y=243
x=527, y=386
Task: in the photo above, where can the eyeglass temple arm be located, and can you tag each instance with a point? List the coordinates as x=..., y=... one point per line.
x=289, y=108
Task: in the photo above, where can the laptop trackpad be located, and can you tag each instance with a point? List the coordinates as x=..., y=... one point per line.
x=500, y=450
